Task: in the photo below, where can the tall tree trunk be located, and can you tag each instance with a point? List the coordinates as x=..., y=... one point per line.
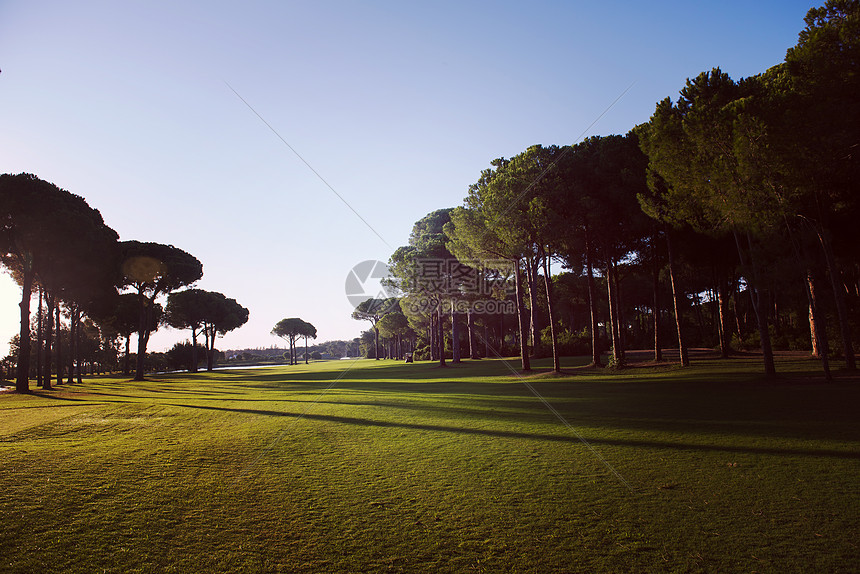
x=531, y=282
x=500, y=341
x=59, y=345
x=126, y=369
x=613, y=316
x=49, y=341
x=306, y=350
x=619, y=313
x=40, y=353
x=486, y=341
x=206, y=343
x=839, y=297
x=595, y=333
x=655, y=277
x=722, y=296
x=434, y=336
x=777, y=325
x=684, y=357
x=210, y=347
x=73, y=330
x=440, y=337
x=759, y=309
x=376, y=345
x=22, y=378
x=592, y=303
x=523, y=321
x=470, y=326
x=143, y=335
x=455, y=334
x=813, y=333
x=817, y=321
x=735, y=309
x=817, y=326
x=556, y=360
x=78, y=372
x=194, y=358
x=70, y=362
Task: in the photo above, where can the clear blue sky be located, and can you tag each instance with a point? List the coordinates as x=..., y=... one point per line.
x=397, y=105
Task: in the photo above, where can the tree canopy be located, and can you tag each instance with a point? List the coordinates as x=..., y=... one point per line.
x=292, y=328
x=152, y=269
x=206, y=312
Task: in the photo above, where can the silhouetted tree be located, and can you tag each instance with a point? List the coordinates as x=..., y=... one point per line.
x=152, y=269
x=49, y=234
x=290, y=329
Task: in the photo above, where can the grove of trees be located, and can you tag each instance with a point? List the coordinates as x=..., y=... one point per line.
x=92, y=288
x=723, y=221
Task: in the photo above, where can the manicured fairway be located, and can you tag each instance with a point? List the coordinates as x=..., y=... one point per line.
x=380, y=466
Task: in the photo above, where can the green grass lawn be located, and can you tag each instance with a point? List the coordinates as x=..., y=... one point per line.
x=381, y=466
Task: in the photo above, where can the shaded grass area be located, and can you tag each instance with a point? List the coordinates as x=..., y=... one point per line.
x=381, y=466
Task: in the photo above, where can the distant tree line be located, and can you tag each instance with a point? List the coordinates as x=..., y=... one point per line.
x=94, y=291
x=325, y=350
x=728, y=220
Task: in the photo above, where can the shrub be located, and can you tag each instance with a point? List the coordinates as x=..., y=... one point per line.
x=570, y=344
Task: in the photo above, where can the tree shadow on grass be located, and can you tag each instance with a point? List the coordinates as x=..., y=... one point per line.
x=386, y=370
x=567, y=438
x=720, y=397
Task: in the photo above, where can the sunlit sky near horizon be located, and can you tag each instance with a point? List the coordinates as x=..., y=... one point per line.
x=397, y=105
